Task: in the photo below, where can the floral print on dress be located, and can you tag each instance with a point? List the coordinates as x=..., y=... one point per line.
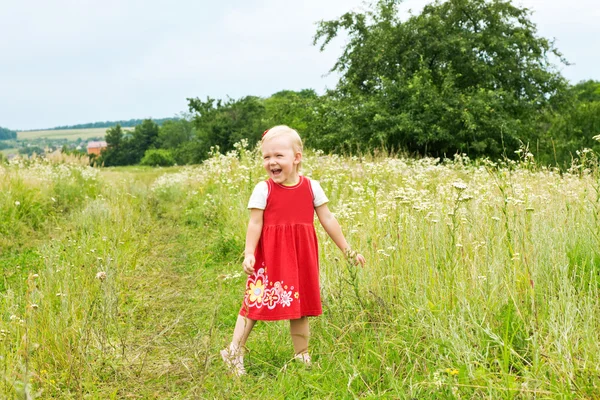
x=260, y=292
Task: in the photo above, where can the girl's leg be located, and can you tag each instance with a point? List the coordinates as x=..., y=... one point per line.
x=243, y=327
x=234, y=355
x=299, y=330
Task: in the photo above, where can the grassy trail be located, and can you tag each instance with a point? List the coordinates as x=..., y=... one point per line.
x=161, y=348
x=140, y=336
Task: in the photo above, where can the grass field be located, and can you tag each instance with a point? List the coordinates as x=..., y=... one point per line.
x=482, y=281
x=9, y=151
x=71, y=134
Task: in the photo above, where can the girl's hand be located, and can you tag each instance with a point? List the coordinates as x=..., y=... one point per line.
x=357, y=258
x=248, y=264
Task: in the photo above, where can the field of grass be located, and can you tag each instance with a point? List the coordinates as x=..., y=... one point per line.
x=9, y=151
x=70, y=134
x=482, y=281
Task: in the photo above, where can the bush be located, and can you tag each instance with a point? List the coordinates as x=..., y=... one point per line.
x=158, y=158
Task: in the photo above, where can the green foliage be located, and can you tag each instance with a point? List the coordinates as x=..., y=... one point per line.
x=31, y=201
x=190, y=152
x=572, y=126
x=587, y=91
x=72, y=151
x=6, y=134
x=181, y=139
x=31, y=150
x=145, y=136
x=221, y=124
x=463, y=76
x=158, y=158
x=511, y=334
x=115, y=153
x=16, y=262
x=584, y=266
x=175, y=133
x=574, y=130
x=7, y=144
x=23, y=207
x=292, y=108
x=114, y=137
x=129, y=150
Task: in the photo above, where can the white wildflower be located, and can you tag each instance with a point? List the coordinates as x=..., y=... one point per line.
x=460, y=185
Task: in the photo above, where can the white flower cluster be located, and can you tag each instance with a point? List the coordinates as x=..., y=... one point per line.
x=364, y=188
x=41, y=170
x=227, y=169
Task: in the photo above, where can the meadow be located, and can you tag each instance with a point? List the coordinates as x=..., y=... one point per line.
x=70, y=134
x=482, y=281
x=12, y=150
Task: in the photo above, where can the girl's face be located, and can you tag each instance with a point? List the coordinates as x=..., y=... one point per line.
x=281, y=160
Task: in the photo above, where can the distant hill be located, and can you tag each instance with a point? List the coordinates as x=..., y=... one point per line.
x=74, y=134
x=107, y=124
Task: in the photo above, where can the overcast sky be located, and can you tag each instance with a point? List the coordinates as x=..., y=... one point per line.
x=65, y=62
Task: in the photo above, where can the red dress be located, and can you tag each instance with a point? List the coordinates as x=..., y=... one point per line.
x=285, y=282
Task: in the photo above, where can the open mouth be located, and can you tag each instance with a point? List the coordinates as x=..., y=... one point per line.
x=276, y=171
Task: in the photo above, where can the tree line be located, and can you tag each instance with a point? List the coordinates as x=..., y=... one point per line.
x=107, y=124
x=463, y=76
x=7, y=134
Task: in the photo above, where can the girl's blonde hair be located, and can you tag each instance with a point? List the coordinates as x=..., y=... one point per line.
x=284, y=130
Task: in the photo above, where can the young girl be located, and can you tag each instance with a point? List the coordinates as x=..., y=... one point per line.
x=281, y=254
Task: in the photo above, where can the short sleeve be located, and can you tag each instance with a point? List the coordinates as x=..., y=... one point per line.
x=319, y=197
x=258, y=199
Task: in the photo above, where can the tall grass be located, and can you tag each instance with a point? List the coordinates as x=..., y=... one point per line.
x=482, y=281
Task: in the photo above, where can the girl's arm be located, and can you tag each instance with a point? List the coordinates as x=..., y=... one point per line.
x=252, y=236
x=334, y=230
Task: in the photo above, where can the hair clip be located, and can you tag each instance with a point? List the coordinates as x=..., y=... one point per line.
x=265, y=132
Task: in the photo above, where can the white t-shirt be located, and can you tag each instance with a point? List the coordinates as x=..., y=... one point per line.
x=261, y=192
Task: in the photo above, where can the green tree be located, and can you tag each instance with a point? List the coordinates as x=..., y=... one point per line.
x=462, y=76
x=573, y=126
x=145, y=136
x=295, y=109
x=158, y=158
x=180, y=137
x=114, y=154
x=222, y=124
x=7, y=134
x=31, y=150
x=587, y=91
x=114, y=137
x=173, y=134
